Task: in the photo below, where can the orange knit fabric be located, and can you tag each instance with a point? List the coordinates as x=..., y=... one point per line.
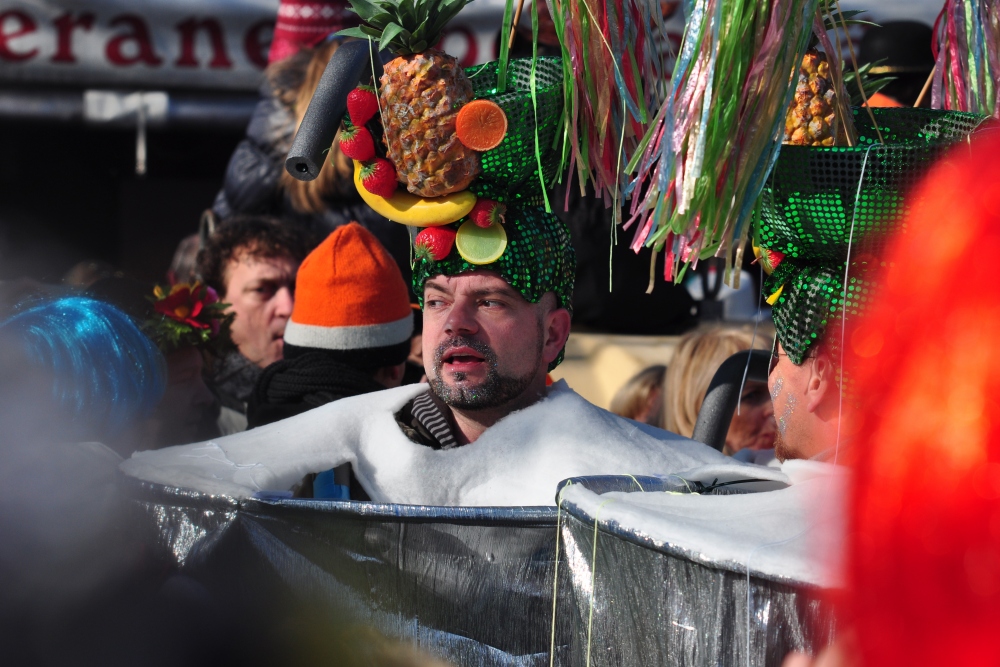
x=349, y=280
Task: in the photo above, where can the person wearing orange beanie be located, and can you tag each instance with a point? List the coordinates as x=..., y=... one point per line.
x=924, y=550
x=349, y=332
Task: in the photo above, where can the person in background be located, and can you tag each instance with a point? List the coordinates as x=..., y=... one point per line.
x=85, y=371
x=76, y=373
x=900, y=50
x=349, y=334
x=251, y=264
x=84, y=274
x=184, y=264
x=696, y=359
x=641, y=398
x=256, y=182
x=923, y=547
x=187, y=323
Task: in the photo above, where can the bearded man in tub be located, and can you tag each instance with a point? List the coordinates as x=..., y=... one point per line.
x=485, y=430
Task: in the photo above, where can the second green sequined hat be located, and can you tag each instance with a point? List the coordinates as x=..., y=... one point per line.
x=825, y=207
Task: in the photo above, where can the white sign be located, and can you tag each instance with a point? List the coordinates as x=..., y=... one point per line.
x=214, y=44
x=155, y=43
x=222, y=44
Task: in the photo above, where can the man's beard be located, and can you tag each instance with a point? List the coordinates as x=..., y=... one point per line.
x=782, y=451
x=495, y=390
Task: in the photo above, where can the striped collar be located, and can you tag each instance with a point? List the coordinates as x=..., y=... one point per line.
x=426, y=411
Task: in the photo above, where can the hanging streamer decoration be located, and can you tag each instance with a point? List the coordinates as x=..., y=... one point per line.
x=613, y=76
x=702, y=163
x=966, y=45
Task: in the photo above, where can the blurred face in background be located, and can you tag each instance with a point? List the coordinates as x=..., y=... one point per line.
x=188, y=410
x=753, y=424
x=260, y=292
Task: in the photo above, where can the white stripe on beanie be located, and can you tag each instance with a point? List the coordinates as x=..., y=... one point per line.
x=359, y=337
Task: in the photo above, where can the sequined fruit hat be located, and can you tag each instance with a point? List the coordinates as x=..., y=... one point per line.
x=826, y=215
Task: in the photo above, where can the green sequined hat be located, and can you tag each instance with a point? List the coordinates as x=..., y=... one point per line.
x=539, y=258
x=825, y=207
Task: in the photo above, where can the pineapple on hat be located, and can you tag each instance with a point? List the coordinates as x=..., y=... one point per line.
x=812, y=116
x=819, y=114
x=421, y=92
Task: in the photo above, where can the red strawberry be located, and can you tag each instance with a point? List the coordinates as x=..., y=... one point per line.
x=379, y=177
x=486, y=212
x=770, y=259
x=362, y=105
x=357, y=143
x=434, y=243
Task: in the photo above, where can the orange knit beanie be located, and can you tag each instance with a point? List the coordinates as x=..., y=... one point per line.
x=350, y=296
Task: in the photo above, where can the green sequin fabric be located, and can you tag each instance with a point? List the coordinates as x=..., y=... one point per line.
x=510, y=171
x=539, y=258
x=816, y=195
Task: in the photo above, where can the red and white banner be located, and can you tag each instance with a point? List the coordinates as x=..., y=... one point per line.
x=205, y=44
x=149, y=44
x=220, y=44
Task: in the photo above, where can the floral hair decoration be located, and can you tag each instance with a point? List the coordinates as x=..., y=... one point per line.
x=189, y=315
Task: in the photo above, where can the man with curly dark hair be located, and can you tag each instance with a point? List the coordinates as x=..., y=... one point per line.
x=251, y=261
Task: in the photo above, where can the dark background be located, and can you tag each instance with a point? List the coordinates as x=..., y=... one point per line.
x=69, y=192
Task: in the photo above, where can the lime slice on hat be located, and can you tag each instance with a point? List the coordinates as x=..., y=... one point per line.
x=477, y=245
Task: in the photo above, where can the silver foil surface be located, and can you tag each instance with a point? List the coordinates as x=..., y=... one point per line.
x=467, y=584
x=475, y=585
x=643, y=603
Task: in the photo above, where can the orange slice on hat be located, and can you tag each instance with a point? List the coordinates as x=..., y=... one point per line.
x=481, y=125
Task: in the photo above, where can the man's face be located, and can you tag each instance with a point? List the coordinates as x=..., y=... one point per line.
x=260, y=291
x=787, y=383
x=484, y=345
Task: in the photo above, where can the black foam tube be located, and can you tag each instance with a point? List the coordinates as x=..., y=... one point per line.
x=724, y=393
x=347, y=66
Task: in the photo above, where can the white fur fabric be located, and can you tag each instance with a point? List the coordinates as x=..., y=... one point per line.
x=796, y=532
x=518, y=461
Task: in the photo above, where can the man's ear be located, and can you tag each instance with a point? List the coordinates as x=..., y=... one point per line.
x=557, y=325
x=822, y=382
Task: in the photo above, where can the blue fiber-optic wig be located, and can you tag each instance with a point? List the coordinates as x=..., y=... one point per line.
x=106, y=372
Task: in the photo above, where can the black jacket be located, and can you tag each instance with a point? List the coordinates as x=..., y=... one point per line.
x=309, y=380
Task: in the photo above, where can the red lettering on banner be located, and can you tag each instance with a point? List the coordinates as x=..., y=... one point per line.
x=189, y=34
x=26, y=26
x=256, y=44
x=138, y=35
x=65, y=25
